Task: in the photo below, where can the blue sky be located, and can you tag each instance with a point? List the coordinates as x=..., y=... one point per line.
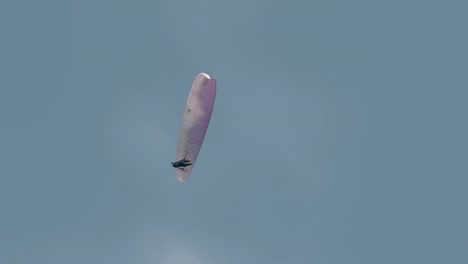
x=338, y=133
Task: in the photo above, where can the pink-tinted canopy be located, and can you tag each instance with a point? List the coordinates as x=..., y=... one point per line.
x=195, y=122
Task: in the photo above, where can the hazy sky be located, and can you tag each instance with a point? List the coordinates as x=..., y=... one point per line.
x=338, y=133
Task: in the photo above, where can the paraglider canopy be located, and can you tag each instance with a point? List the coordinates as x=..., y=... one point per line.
x=195, y=121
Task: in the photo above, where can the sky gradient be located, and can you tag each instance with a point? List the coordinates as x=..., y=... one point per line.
x=338, y=133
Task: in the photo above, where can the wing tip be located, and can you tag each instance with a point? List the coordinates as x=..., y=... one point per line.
x=206, y=75
x=213, y=80
x=181, y=179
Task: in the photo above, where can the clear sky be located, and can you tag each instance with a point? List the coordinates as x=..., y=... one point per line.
x=338, y=133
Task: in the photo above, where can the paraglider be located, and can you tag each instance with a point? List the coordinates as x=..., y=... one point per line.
x=195, y=121
x=181, y=163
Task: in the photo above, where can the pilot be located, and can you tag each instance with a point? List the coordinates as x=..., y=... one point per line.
x=182, y=163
